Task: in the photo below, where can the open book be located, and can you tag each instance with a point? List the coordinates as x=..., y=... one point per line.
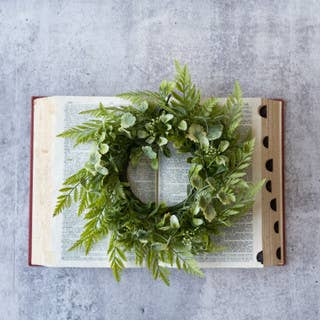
x=255, y=240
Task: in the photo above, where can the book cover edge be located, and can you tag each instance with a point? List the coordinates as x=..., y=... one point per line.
x=33, y=98
x=283, y=103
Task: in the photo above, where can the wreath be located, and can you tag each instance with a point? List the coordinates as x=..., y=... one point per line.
x=158, y=235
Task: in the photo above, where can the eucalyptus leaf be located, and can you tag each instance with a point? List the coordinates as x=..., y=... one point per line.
x=102, y=136
x=195, y=209
x=127, y=120
x=149, y=152
x=127, y=132
x=203, y=202
x=100, y=169
x=215, y=132
x=143, y=106
x=142, y=134
x=162, y=141
x=212, y=183
x=166, y=117
x=195, y=132
x=155, y=164
x=209, y=212
x=183, y=125
x=196, y=182
x=204, y=142
x=150, y=139
x=103, y=148
x=224, y=145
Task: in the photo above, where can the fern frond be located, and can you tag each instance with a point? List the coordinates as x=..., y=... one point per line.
x=84, y=201
x=84, y=132
x=76, y=178
x=101, y=111
x=64, y=201
x=234, y=106
x=237, y=92
x=164, y=274
x=116, y=257
x=137, y=97
x=71, y=184
x=186, y=261
x=153, y=99
x=153, y=264
x=255, y=188
x=104, y=111
x=140, y=253
x=186, y=95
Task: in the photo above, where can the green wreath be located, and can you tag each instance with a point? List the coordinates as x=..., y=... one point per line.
x=160, y=236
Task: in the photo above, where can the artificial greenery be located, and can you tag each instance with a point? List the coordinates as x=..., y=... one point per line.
x=160, y=236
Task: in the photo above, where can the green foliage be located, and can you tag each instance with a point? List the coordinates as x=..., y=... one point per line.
x=116, y=257
x=186, y=96
x=83, y=133
x=160, y=236
x=149, y=152
x=127, y=120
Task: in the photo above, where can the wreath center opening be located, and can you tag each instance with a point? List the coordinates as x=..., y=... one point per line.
x=150, y=185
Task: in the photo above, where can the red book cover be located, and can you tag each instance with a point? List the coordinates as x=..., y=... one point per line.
x=31, y=179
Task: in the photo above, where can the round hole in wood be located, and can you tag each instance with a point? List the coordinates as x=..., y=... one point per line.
x=273, y=204
x=276, y=227
x=278, y=253
x=269, y=165
x=263, y=111
x=265, y=142
x=260, y=257
x=269, y=185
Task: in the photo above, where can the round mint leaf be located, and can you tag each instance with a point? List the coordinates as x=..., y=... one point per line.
x=127, y=120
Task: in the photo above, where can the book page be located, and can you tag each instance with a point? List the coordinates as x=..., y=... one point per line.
x=143, y=180
x=68, y=226
x=242, y=241
x=173, y=177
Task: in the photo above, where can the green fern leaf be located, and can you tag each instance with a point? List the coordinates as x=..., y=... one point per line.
x=64, y=201
x=139, y=97
x=83, y=133
x=116, y=258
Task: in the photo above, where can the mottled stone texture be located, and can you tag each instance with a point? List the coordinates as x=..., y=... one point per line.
x=104, y=47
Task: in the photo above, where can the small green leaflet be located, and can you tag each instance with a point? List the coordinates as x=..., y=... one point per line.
x=127, y=120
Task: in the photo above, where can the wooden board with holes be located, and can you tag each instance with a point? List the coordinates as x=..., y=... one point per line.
x=273, y=235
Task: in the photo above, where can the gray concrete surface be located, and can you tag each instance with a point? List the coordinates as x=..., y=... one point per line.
x=105, y=47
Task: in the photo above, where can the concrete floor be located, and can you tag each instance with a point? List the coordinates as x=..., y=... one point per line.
x=105, y=47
